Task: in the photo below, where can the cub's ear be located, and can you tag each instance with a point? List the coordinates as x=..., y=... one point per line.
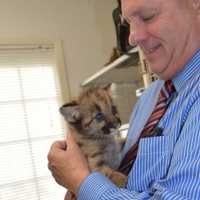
x=71, y=112
x=107, y=86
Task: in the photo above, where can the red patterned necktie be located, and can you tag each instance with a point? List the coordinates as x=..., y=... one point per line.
x=150, y=129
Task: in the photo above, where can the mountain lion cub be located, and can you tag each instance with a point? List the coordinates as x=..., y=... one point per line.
x=96, y=120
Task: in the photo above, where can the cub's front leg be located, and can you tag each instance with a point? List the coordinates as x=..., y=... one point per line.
x=116, y=177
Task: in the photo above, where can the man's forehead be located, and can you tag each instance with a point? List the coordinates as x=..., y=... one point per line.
x=132, y=7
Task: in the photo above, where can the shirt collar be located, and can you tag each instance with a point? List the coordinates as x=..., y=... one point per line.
x=189, y=70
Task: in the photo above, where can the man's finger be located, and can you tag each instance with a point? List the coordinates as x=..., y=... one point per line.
x=71, y=143
x=69, y=136
x=59, y=145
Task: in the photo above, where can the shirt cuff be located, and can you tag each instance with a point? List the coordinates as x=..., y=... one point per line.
x=94, y=186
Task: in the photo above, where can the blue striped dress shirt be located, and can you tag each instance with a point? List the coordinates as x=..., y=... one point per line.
x=167, y=167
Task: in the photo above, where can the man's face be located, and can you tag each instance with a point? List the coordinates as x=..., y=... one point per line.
x=165, y=30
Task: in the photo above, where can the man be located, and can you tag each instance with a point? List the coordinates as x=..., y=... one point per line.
x=167, y=166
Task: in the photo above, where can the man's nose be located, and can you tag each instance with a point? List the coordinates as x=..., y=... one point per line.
x=138, y=33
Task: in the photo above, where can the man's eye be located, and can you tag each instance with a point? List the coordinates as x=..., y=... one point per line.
x=147, y=18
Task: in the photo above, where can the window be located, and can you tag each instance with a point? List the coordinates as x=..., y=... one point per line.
x=30, y=121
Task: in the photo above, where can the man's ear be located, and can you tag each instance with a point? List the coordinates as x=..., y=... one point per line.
x=71, y=112
x=196, y=4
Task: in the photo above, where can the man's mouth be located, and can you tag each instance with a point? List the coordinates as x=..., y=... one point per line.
x=148, y=51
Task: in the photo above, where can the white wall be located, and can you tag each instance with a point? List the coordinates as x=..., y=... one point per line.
x=85, y=26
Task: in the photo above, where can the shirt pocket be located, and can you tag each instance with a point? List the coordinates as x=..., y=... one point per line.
x=151, y=164
x=154, y=145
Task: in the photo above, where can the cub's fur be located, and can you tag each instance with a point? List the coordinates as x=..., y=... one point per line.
x=96, y=120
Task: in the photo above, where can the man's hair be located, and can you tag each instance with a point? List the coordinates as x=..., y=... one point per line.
x=119, y=3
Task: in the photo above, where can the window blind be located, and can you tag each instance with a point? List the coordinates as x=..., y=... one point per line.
x=30, y=122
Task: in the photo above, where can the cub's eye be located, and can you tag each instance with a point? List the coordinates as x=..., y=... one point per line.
x=99, y=117
x=114, y=110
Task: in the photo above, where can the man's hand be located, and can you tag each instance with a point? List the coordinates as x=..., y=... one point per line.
x=67, y=163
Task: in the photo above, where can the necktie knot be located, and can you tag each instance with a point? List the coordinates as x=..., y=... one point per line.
x=166, y=92
x=169, y=87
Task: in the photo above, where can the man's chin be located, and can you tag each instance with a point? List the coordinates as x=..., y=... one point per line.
x=156, y=68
